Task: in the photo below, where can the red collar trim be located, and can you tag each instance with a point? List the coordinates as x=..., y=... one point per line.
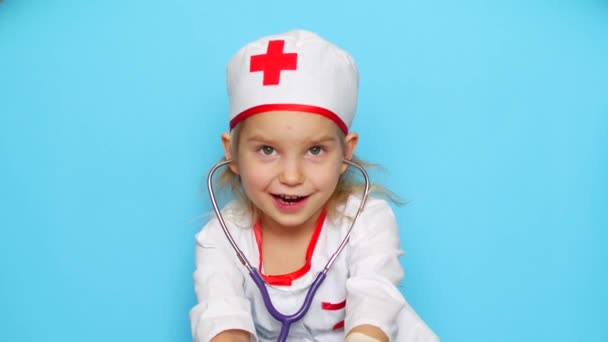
x=288, y=278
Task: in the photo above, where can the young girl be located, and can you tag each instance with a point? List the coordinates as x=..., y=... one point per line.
x=292, y=100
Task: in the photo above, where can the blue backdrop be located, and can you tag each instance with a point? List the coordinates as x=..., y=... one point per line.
x=490, y=119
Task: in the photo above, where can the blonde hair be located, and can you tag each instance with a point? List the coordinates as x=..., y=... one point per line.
x=349, y=183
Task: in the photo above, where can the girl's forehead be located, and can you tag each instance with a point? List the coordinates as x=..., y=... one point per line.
x=289, y=123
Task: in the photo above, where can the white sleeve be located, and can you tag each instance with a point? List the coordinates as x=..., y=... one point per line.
x=373, y=260
x=218, y=284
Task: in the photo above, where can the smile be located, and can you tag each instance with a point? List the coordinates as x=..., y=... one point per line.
x=289, y=199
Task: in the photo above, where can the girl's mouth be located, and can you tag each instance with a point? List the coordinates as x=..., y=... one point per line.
x=289, y=199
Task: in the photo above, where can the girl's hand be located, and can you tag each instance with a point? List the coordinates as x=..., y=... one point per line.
x=231, y=336
x=366, y=333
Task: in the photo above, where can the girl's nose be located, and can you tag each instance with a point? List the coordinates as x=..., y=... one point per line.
x=291, y=173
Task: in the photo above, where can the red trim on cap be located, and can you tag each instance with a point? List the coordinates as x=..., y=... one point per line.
x=292, y=107
x=287, y=279
x=333, y=306
x=338, y=326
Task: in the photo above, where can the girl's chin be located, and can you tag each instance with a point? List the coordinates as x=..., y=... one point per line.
x=295, y=219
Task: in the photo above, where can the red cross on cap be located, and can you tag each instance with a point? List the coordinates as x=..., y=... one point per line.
x=273, y=62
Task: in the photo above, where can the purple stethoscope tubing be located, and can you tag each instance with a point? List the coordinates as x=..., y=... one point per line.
x=286, y=320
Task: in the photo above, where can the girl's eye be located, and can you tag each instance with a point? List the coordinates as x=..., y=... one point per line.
x=266, y=150
x=315, y=150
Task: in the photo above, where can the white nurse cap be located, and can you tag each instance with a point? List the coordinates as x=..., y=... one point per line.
x=293, y=71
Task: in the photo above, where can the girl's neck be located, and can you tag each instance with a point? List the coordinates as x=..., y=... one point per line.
x=270, y=226
x=285, y=250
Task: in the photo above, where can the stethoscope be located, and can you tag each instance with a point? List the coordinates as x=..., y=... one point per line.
x=286, y=320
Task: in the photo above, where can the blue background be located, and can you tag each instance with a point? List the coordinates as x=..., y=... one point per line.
x=490, y=119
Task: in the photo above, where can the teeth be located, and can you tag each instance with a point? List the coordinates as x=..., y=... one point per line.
x=289, y=198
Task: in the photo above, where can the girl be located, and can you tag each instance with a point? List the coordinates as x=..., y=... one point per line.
x=292, y=100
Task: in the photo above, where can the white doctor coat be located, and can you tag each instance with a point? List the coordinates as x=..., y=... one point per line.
x=360, y=288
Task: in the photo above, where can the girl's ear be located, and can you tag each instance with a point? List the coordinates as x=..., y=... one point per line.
x=226, y=143
x=350, y=144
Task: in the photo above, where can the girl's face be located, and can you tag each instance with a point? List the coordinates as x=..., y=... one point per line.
x=289, y=164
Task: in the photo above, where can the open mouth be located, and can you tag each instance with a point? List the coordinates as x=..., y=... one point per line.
x=289, y=199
